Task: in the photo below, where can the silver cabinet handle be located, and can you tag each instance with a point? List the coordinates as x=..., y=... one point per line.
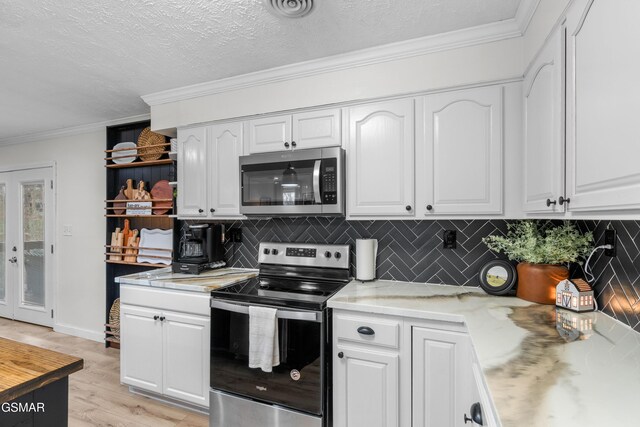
x=309, y=316
x=316, y=181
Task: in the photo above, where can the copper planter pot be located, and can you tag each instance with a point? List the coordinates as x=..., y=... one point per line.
x=537, y=282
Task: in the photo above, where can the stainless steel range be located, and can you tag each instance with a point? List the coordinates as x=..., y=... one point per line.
x=297, y=279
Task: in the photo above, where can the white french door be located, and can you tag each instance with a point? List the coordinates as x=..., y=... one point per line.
x=26, y=245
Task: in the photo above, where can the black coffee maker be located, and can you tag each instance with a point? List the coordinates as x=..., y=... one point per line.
x=199, y=248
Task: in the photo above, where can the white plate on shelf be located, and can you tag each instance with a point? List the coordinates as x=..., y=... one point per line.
x=125, y=156
x=155, y=238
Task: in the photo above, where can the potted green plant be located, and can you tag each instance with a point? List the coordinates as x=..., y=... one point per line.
x=543, y=251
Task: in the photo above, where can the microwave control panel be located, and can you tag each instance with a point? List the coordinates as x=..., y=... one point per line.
x=329, y=173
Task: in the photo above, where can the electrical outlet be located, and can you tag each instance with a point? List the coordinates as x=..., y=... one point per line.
x=611, y=238
x=235, y=235
x=449, y=239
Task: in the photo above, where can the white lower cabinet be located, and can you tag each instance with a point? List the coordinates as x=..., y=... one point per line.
x=365, y=388
x=381, y=363
x=165, y=352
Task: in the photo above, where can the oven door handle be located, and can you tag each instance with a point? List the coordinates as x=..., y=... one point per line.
x=308, y=316
x=316, y=182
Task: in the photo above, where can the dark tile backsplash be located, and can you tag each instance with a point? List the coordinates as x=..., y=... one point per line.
x=412, y=251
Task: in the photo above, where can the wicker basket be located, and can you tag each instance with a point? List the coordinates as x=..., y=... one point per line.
x=114, y=318
x=147, y=138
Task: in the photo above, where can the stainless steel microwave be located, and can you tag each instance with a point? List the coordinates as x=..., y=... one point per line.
x=303, y=182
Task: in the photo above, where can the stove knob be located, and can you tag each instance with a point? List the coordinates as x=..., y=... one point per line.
x=337, y=255
x=266, y=251
x=327, y=254
x=274, y=252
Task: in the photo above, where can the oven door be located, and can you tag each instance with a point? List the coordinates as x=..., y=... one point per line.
x=293, y=183
x=298, y=381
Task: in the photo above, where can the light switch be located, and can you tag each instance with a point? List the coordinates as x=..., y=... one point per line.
x=67, y=230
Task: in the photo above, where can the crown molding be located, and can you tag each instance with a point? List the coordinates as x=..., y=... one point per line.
x=501, y=30
x=525, y=13
x=75, y=130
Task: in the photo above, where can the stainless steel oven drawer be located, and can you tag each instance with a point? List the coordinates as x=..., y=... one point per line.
x=226, y=410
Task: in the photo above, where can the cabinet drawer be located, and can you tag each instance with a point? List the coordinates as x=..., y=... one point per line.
x=165, y=299
x=367, y=330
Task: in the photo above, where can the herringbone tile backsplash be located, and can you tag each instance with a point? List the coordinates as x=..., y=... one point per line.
x=412, y=251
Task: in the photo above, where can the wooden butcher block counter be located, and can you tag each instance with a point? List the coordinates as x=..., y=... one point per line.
x=34, y=384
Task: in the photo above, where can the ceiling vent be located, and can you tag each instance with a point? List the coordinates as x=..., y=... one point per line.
x=289, y=8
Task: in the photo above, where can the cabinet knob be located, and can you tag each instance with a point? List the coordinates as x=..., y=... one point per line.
x=562, y=200
x=429, y=207
x=476, y=414
x=156, y=317
x=340, y=355
x=408, y=207
x=293, y=143
x=551, y=202
x=212, y=210
x=162, y=318
x=200, y=210
x=286, y=144
x=365, y=330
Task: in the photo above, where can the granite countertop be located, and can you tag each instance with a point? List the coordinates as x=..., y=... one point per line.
x=24, y=368
x=203, y=282
x=538, y=373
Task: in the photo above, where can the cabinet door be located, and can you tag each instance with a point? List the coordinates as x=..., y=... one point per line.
x=270, y=134
x=317, y=129
x=544, y=169
x=186, y=357
x=442, y=377
x=141, y=348
x=463, y=137
x=192, y=172
x=225, y=147
x=365, y=388
x=603, y=101
x=381, y=159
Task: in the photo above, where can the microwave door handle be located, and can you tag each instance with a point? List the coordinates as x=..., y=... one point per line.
x=316, y=182
x=309, y=316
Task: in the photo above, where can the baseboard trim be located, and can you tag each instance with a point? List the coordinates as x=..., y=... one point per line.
x=79, y=332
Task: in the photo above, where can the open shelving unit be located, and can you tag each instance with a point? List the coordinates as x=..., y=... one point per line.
x=150, y=172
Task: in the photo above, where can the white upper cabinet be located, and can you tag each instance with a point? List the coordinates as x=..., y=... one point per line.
x=544, y=160
x=603, y=104
x=462, y=157
x=314, y=129
x=225, y=148
x=192, y=172
x=380, y=159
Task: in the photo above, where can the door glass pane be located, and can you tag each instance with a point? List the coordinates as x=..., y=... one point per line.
x=33, y=238
x=3, y=240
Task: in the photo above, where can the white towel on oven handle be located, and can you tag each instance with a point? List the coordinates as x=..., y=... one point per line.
x=263, y=338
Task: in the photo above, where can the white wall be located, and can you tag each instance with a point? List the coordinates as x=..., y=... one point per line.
x=438, y=70
x=80, y=186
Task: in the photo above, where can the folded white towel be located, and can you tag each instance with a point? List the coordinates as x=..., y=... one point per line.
x=263, y=338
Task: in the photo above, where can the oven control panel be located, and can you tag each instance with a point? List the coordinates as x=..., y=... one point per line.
x=301, y=252
x=305, y=254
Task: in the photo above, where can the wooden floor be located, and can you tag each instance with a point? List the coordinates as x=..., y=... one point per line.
x=96, y=397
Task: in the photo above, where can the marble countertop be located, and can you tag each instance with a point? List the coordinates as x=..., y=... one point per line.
x=204, y=282
x=538, y=373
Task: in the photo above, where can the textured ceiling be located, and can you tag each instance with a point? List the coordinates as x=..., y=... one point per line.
x=72, y=62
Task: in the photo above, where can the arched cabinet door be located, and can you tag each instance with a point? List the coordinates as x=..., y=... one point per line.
x=192, y=172
x=603, y=101
x=225, y=148
x=380, y=154
x=544, y=157
x=463, y=151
